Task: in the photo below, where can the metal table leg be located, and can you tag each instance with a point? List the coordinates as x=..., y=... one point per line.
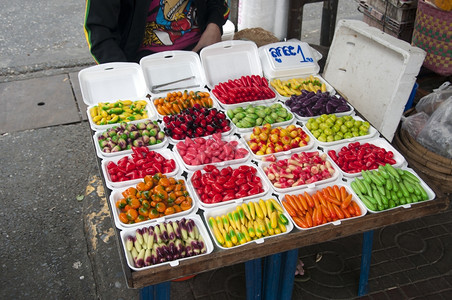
x=253, y=275
x=365, y=262
x=159, y=291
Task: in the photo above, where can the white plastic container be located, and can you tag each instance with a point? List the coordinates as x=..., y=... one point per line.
x=209, y=206
x=249, y=129
x=172, y=71
x=228, y=31
x=290, y=59
x=313, y=190
x=103, y=155
x=166, y=153
x=226, y=139
x=111, y=82
x=223, y=210
x=173, y=263
x=116, y=195
x=430, y=193
x=335, y=176
x=372, y=133
x=375, y=71
x=379, y=142
x=246, y=138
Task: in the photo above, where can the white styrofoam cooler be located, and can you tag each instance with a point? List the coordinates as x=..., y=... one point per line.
x=375, y=71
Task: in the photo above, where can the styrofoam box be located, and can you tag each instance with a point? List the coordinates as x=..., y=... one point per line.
x=371, y=134
x=218, y=164
x=163, y=95
x=351, y=112
x=116, y=195
x=104, y=155
x=311, y=143
x=379, y=142
x=313, y=190
x=337, y=175
x=209, y=206
x=282, y=124
x=174, y=263
x=224, y=134
x=166, y=153
x=111, y=82
x=431, y=194
x=172, y=71
x=329, y=88
x=229, y=60
x=223, y=210
x=374, y=71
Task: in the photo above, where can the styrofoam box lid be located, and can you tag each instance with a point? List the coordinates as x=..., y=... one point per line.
x=379, y=142
x=430, y=193
x=291, y=58
x=375, y=71
x=174, y=263
x=172, y=70
x=230, y=59
x=313, y=190
x=223, y=210
x=116, y=195
x=110, y=82
x=166, y=153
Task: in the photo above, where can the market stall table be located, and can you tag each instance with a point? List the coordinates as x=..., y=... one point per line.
x=279, y=252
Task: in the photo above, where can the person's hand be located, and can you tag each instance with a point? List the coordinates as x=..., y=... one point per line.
x=210, y=36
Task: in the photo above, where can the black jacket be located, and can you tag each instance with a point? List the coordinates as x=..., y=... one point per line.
x=114, y=29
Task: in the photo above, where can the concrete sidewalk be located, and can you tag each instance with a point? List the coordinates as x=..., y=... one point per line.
x=58, y=241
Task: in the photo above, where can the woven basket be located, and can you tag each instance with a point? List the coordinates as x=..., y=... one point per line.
x=436, y=167
x=433, y=33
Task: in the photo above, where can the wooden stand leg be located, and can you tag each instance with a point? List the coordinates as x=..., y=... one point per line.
x=365, y=262
x=253, y=275
x=159, y=291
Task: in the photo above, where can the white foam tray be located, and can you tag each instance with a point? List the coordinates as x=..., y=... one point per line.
x=104, y=155
x=209, y=206
x=229, y=208
x=116, y=195
x=431, y=194
x=311, y=143
x=351, y=112
x=110, y=82
x=228, y=60
x=281, y=124
x=149, y=108
x=379, y=142
x=372, y=133
x=174, y=263
x=313, y=190
x=228, y=138
x=337, y=175
x=166, y=153
x=329, y=88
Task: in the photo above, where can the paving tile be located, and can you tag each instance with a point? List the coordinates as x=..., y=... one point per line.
x=434, y=251
x=439, y=230
x=395, y=293
x=36, y=103
x=411, y=242
x=425, y=287
x=424, y=233
x=394, y=253
x=439, y=284
x=404, y=263
x=75, y=84
x=379, y=256
x=401, y=278
x=418, y=260
x=386, y=282
x=379, y=296
x=446, y=294
x=386, y=236
x=410, y=290
x=420, y=273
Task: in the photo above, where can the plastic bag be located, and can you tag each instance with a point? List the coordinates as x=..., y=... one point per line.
x=430, y=103
x=437, y=132
x=414, y=123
